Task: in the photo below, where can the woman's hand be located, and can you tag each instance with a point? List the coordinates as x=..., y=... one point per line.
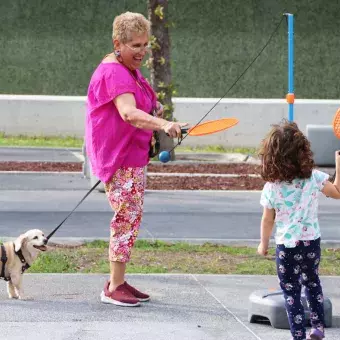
x=173, y=129
x=159, y=110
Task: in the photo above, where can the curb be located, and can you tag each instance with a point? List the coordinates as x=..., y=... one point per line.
x=78, y=241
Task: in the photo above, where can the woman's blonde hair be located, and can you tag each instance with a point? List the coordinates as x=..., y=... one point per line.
x=127, y=23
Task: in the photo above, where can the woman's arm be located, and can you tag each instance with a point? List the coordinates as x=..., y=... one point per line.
x=126, y=106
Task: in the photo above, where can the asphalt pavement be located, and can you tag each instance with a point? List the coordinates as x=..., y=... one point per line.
x=43, y=200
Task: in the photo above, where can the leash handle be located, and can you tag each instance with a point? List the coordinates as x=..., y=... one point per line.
x=60, y=224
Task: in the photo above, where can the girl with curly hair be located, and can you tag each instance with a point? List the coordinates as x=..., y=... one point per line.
x=290, y=200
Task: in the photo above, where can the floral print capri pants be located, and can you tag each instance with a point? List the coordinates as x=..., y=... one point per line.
x=296, y=267
x=125, y=193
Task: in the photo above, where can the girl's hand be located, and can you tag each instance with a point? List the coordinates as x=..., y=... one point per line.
x=262, y=249
x=337, y=160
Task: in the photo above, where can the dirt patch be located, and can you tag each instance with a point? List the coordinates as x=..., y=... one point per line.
x=213, y=168
x=204, y=183
x=210, y=168
x=41, y=166
x=243, y=182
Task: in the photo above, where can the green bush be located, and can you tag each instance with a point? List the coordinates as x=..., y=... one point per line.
x=51, y=47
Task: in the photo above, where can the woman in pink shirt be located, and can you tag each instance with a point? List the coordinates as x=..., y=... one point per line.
x=119, y=129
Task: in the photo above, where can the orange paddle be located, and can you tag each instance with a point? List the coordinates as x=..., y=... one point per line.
x=336, y=130
x=336, y=124
x=211, y=126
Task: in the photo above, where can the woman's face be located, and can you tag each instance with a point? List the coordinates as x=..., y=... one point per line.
x=133, y=51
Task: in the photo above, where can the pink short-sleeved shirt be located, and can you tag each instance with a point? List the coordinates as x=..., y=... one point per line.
x=112, y=143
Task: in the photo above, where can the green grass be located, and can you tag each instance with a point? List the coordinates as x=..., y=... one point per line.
x=212, y=43
x=256, y=267
x=73, y=142
x=40, y=141
x=164, y=257
x=216, y=149
x=54, y=262
x=178, y=247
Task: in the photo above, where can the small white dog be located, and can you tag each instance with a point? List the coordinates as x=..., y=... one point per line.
x=17, y=256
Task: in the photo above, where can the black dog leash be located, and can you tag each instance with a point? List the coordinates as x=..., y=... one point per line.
x=61, y=223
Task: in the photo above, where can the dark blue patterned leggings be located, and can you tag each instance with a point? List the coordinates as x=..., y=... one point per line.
x=297, y=266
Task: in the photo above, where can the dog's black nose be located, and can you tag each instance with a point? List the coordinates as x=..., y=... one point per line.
x=45, y=240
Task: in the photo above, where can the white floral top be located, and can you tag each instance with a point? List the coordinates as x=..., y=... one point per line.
x=296, y=208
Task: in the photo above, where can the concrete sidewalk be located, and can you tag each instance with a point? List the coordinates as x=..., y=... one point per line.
x=185, y=307
x=35, y=154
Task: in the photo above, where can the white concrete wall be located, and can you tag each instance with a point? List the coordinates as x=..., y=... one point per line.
x=42, y=115
x=64, y=116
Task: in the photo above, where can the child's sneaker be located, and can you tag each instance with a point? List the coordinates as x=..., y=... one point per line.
x=136, y=293
x=120, y=296
x=315, y=334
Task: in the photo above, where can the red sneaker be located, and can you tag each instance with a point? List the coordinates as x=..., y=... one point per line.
x=120, y=296
x=136, y=293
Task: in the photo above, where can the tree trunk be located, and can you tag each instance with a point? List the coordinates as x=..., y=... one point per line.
x=160, y=63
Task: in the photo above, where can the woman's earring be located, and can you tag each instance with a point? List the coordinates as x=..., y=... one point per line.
x=117, y=53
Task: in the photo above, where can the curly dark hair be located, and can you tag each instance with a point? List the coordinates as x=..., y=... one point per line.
x=286, y=154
